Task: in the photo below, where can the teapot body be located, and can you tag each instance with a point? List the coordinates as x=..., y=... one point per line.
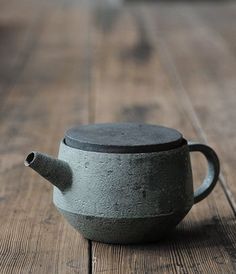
x=126, y=197
x=124, y=182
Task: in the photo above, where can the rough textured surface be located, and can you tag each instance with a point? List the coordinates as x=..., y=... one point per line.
x=55, y=171
x=125, y=230
x=166, y=62
x=123, y=138
x=212, y=175
x=126, y=185
x=100, y=192
x=130, y=187
x=108, y=194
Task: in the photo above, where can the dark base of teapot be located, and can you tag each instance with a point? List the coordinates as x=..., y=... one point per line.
x=124, y=230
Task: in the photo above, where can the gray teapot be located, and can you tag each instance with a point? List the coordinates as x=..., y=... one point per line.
x=124, y=182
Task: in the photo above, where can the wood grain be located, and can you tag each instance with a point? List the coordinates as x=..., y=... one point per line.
x=73, y=62
x=48, y=96
x=205, y=63
x=144, y=91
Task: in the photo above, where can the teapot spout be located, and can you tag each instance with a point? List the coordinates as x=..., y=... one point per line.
x=56, y=171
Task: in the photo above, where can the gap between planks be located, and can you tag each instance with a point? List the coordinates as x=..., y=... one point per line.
x=108, y=255
x=171, y=70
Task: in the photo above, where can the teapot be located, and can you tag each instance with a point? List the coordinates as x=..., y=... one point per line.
x=124, y=182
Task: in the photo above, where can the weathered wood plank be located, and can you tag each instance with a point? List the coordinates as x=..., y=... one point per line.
x=131, y=84
x=223, y=29
x=50, y=94
x=204, y=58
x=116, y=71
x=19, y=26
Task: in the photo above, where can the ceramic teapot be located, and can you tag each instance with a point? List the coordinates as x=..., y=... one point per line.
x=124, y=182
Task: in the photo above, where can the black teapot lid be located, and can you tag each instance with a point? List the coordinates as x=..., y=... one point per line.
x=123, y=138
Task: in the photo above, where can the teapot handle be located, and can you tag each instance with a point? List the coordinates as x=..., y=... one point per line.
x=213, y=170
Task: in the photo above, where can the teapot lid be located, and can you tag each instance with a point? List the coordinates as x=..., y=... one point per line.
x=123, y=138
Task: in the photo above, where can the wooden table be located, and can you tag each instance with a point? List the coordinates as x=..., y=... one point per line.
x=71, y=62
